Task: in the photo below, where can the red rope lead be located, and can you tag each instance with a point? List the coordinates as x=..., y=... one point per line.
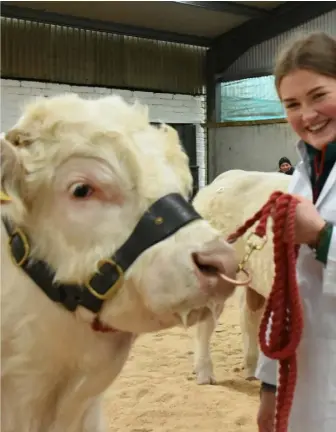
x=283, y=305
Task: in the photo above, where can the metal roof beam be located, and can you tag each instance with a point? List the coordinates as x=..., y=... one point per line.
x=36, y=15
x=228, y=47
x=231, y=7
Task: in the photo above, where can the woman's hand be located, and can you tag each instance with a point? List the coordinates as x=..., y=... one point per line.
x=308, y=223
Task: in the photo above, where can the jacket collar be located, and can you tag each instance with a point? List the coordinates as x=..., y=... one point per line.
x=304, y=168
x=302, y=151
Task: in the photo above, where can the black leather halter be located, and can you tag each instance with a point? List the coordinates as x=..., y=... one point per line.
x=161, y=220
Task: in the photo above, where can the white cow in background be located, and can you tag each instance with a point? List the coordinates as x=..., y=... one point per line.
x=231, y=199
x=81, y=174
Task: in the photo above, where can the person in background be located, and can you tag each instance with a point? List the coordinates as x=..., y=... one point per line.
x=305, y=79
x=285, y=166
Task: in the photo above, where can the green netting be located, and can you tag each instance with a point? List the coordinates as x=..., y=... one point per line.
x=250, y=99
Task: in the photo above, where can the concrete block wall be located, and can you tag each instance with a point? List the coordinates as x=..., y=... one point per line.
x=163, y=107
x=251, y=148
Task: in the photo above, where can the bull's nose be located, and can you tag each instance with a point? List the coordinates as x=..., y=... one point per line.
x=218, y=258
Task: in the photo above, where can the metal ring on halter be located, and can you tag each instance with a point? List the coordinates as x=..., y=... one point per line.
x=236, y=282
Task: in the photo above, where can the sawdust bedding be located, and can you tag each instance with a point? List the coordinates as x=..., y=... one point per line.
x=157, y=392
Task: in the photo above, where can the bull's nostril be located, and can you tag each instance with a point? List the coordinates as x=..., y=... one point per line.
x=218, y=266
x=204, y=268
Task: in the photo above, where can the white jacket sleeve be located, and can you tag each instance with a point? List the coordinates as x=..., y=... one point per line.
x=329, y=274
x=267, y=369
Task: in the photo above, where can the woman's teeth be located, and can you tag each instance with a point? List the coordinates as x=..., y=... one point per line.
x=318, y=126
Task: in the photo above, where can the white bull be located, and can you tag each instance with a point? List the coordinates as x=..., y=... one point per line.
x=81, y=174
x=231, y=199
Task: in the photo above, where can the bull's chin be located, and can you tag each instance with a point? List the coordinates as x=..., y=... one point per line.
x=184, y=318
x=189, y=317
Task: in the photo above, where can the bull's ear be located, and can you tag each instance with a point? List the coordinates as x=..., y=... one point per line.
x=11, y=168
x=18, y=138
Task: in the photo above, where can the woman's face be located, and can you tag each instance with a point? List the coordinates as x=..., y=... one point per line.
x=310, y=102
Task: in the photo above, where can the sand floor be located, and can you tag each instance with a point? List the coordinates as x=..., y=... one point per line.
x=157, y=392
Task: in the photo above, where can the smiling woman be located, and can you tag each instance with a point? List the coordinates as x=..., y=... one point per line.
x=306, y=84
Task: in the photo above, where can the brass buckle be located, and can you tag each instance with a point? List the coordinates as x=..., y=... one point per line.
x=114, y=287
x=252, y=246
x=4, y=197
x=24, y=239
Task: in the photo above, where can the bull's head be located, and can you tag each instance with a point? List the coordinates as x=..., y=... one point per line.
x=81, y=175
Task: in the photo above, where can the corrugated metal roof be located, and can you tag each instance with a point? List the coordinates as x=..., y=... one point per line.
x=201, y=19
x=45, y=52
x=259, y=60
x=267, y=5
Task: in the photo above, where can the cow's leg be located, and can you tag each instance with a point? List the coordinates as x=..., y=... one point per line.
x=203, y=366
x=251, y=312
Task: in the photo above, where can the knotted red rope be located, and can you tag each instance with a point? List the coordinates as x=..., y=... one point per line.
x=283, y=305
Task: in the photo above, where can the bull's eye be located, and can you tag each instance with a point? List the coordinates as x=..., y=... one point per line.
x=81, y=190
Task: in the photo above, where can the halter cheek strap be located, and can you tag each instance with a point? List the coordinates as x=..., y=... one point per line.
x=165, y=217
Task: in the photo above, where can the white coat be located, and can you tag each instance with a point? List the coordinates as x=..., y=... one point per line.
x=314, y=405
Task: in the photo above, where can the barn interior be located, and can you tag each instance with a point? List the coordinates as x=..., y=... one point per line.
x=205, y=68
